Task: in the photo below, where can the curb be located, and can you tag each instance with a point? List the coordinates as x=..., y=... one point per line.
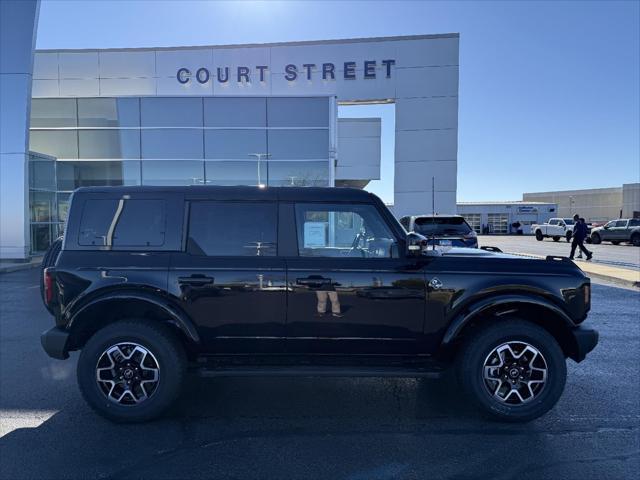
x=590, y=271
x=17, y=267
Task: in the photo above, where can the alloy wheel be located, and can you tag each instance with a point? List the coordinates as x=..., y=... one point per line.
x=514, y=373
x=127, y=373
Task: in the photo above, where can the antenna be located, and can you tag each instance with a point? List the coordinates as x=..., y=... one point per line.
x=433, y=212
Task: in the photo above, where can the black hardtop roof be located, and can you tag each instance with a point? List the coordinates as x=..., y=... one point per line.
x=328, y=194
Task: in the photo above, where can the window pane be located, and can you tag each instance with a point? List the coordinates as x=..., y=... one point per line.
x=232, y=229
x=229, y=144
x=299, y=174
x=40, y=237
x=178, y=172
x=109, y=143
x=173, y=144
x=171, y=112
x=72, y=175
x=42, y=206
x=42, y=175
x=63, y=206
x=108, y=112
x=58, y=143
x=298, y=144
x=235, y=112
x=235, y=173
x=53, y=112
x=342, y=231
x=138, y=223
x=298, y=112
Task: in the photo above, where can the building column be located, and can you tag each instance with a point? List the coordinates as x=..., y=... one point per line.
x=18, y=26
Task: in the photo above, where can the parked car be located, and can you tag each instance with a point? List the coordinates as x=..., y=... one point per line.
x=446, y=230
x=151, y=283
x=555, y=228
x=617, y=231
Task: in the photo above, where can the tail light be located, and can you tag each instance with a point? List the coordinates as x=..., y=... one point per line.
x=587, y=295
x=48, y=285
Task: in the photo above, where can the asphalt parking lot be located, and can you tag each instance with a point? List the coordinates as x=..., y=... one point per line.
x=623, y=255
x=317, y=428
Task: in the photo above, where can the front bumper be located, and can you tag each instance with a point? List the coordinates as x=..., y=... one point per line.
x=586, y=340
x=55, y=342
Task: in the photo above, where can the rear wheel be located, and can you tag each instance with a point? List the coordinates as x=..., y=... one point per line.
x=568, y=237
x=635, y=239
x=556, y=239
x=595, y=239
x=514, y=371
x=132, y=370
x=539, y=235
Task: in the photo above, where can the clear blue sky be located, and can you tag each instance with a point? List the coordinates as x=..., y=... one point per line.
x=549, y=91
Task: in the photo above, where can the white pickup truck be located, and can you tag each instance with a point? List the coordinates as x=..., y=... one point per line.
x=555, y=228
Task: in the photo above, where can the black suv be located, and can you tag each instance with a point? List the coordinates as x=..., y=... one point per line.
x=445, y=230
x=153, y=282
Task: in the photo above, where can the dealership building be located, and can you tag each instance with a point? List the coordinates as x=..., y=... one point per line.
x=218, y=115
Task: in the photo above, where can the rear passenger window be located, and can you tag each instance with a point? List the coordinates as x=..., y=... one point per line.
x=228, y=229
x=122, y=223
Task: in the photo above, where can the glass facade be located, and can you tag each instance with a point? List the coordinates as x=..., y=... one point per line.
x=171, y=141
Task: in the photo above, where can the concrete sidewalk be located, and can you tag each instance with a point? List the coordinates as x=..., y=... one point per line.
x=17, y=266
x=625, y=276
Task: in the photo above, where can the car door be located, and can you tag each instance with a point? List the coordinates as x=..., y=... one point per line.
x=617, y=231
x=229, y=278
x=350, y=290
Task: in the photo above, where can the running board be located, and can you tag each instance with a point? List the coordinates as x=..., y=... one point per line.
x=317, y=371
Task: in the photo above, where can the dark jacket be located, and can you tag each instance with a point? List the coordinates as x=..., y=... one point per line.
x=580, y=231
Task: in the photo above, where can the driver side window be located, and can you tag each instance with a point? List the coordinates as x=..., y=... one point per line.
x=335, y=230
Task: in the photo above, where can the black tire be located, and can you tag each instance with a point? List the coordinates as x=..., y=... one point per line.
x=556, y=239
x=474, y=352
x=164, y=347
x=568, y=236
x=539, y=236
x=615, y=242
x=595, y=239
x=635, y=239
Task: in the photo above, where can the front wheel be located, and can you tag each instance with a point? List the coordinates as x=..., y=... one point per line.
x=131, y=370
x=635, y=239
x=568, y=236
x=513, y=370
x=595, y=239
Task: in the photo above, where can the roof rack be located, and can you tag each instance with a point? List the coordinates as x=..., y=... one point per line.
x=558, y=258
x=491, y=249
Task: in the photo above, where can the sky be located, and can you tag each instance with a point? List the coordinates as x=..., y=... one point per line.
x=549, y=93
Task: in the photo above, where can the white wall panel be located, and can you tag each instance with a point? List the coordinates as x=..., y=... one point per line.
x=280, y=86
x=14, y=90
x=128, y=64
x=45, y=66
x=426, y=82
x=79, y=88
x=416, y=176
x=359, y=127
x=418, y=203
x=78, y=65
x=45, y=88
x=127, y=86
x=235, y=88
x=426, y=113
x=242, y=57
x=169, y=86
x=427, y=52
x=370, y=89
x=426, y=145
x=169, y=61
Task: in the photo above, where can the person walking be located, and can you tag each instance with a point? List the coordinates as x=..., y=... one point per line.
x=579, y=235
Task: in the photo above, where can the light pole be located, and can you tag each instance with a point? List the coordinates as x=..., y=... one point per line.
x=259, y=157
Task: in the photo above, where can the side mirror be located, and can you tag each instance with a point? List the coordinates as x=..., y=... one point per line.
x=606, y=227
x=416, y=244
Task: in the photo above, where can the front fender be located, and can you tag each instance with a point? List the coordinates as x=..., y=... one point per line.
x=495, y=302
x=176, y=315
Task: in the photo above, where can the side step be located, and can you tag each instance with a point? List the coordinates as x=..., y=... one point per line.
x=317, y=371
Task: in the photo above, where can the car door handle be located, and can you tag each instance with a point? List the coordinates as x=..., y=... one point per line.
x=314, y=281
x=196, y=280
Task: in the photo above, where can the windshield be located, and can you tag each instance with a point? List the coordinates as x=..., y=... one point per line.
x=441, y=226
x=568, y=221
